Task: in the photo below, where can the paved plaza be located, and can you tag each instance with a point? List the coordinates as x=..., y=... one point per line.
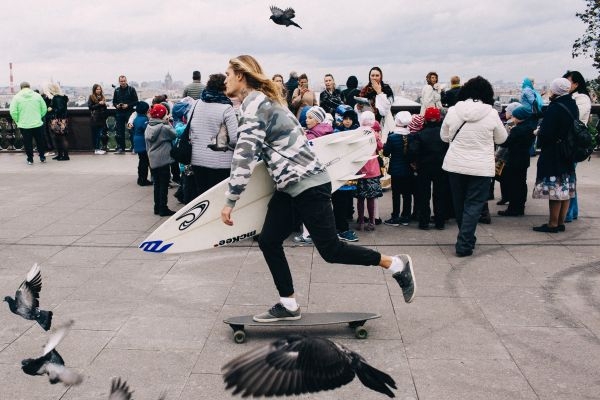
x=518, y=320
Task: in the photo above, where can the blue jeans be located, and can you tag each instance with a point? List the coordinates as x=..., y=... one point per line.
x=469, y=194
x=573, y=211
x=97, y=132
x=313, y=208
x=120, y=128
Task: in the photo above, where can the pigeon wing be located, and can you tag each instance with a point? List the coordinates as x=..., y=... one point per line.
x=370, y=376
x=276, y=11
x=60, y=373
x=289, y=13
x=26, y=300
x=119, y=390
x=289, y=366
x=57, y=337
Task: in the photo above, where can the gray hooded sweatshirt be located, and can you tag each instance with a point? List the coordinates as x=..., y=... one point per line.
x=159, y=136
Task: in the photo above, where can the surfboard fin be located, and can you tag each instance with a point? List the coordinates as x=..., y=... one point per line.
x=365, y=159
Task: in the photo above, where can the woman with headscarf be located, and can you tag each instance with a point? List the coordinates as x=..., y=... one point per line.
x=530, y=98
x=378, y=93
x=555, y=179
x=580, y=94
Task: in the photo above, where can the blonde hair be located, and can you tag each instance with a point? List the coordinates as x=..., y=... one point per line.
x=256, y=78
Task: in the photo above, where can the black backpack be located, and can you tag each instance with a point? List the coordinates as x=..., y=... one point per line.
x=577, y=146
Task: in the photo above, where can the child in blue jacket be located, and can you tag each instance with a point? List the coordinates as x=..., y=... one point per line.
x=139, y=143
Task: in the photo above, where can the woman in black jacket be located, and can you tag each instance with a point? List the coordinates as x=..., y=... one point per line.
x=514, y=175
x=555, y=178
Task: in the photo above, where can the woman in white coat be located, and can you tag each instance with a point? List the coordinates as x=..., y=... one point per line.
x=431, y=95
x=472, y=127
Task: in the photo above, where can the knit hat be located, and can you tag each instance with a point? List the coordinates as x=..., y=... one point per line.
x=497, y=106
x=416, y=124
x=521, y=113
x=512, y=107
x=432, y=114
x=158, y=111
x=142, y=107
x=560, y=86
x=316, y=113
x=366, y=118
x=403, y=118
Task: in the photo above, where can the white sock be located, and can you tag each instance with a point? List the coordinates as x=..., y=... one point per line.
x=305, y=233
x=397, y=265
x=289, y=303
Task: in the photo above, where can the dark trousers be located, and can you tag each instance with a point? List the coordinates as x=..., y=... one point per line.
x=175, y=173
x=313, y=208
x=143, y=167
x=120, y=128
x=97, y=132
x=515, y=180
x=161, y=176
x=441, y=196
x=206, y=178
x=341, y=200
x=402, y=186
x=469, y=194
x=28, y=136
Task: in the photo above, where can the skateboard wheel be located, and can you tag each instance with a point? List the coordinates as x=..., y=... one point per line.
x=361, y=333
x=239, y=336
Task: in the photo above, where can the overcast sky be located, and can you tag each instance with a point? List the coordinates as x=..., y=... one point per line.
x=83, y=42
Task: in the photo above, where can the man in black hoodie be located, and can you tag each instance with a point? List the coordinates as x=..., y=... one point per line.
x=351, y=91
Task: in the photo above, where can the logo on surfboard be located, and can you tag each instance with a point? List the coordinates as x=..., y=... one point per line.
x=154, y=246
x=193, y=214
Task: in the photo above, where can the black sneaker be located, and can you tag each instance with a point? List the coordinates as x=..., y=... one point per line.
x=278, y=313
x=394, y=221
x=406, y=278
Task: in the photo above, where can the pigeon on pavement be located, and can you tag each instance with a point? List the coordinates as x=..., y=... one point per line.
x=26, y=301
x=119, y=390
x=281, y=17
x=51, y=363
x=300, y=364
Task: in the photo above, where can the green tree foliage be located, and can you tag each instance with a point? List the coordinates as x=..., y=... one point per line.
x=588, y=44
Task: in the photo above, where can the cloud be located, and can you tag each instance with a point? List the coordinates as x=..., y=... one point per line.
x=85, y=42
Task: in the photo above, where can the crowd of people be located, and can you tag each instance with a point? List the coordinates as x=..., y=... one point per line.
x=442, y=162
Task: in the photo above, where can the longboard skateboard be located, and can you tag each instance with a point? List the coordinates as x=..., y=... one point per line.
x=354, y=320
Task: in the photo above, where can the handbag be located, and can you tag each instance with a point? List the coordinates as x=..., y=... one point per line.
x=58, y=126
x=220, y=142
x=500, y=164
x=182, y=151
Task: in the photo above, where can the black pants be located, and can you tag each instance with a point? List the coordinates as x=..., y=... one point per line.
x=28, y=136
x=515, y=180
x=206, y=178
x=143, y=167
x=120, y=128
x=313, y=208
x=441, y=196
x=161, y=176
x=469, y=195
x=402, y=186
x=341, y=200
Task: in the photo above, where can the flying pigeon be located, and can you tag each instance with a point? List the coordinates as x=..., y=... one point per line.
x=26, y=301
x=119, y=390
x=51, y=363
x=281, y=17
x=300, y=364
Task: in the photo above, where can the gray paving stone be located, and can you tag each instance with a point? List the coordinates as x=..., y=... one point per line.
x=469, y=380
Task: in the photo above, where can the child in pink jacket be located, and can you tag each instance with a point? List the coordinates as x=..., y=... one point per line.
x=369, y=186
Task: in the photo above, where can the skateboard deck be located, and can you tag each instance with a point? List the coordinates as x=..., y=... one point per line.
x=354, y=320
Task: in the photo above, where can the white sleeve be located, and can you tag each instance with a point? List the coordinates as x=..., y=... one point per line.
x=383, y=104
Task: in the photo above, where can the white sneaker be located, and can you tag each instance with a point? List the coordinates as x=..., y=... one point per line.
x=98, y=151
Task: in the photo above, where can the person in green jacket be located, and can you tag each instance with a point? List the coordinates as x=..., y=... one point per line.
x=27, y=109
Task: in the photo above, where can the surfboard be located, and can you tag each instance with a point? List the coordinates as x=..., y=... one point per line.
x=198, y=226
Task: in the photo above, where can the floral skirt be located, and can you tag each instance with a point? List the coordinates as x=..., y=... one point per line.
x=368, y=188
x=555, y=187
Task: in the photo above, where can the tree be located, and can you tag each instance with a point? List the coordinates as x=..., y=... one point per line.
x=588, y=44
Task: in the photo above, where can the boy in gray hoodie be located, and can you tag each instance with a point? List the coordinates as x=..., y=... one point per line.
x=159, y=136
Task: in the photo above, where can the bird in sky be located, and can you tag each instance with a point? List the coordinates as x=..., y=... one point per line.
x=281, y=17
x=119, y=390
x=51, y=363
x=300, y=364
x=26, y=301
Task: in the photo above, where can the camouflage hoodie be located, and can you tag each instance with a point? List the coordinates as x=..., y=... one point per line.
x=270, y=132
